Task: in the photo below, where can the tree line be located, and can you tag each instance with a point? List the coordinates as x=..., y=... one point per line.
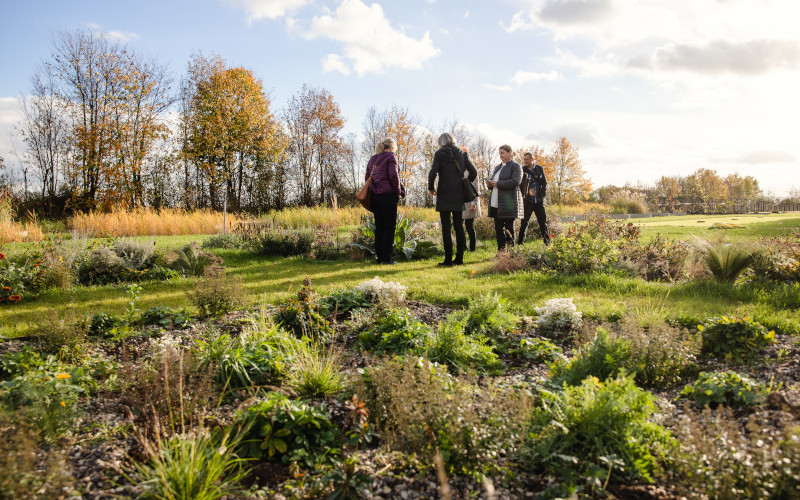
x=106, y=127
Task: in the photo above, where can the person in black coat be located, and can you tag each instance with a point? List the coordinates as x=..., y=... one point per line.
x=449, y=164
x=505, y=201
x=534, y=189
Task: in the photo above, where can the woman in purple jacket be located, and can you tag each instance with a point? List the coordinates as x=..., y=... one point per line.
x=386, y=191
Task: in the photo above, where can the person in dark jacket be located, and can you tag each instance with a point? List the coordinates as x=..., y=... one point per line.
x=534, y=189
x=385, y=193
x=505, y=201
x=449, y=164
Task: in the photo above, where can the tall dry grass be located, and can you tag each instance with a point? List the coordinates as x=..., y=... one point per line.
x=148, y=222
x=11, y=231
x=297, y=217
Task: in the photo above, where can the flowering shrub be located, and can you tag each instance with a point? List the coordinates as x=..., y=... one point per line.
x=558, y=317
x=18, y=280
x=661, y=259
x=384, y=294
x=779, y=259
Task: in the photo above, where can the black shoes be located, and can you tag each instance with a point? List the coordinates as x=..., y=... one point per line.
x=388, y=262
x=447, y=263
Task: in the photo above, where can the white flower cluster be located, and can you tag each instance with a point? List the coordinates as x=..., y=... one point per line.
x=386, y=294
x=558, y=315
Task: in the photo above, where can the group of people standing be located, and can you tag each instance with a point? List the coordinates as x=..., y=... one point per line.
x=517, y=192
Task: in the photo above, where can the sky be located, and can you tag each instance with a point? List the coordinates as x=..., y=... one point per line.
x=643, y=88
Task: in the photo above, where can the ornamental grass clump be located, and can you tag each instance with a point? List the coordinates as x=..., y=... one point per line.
x=450, y=345
x=594, y=433
x=558, y=318
x=725, y=261
x=488, y=316
x=200, y=466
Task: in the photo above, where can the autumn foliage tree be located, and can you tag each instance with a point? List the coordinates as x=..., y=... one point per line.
x=316, y=148
x=567, y=184
x=232, y=137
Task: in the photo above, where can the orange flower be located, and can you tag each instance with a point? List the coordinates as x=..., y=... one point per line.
x=63, y=375
x=63, y=404
x=2, y=256
x=6, y=288
x=14, y=298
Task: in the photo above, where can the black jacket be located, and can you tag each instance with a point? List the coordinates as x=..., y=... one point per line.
x=449, y=163
x=534, y=184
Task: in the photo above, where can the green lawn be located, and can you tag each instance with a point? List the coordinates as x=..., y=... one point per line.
x=599, y=296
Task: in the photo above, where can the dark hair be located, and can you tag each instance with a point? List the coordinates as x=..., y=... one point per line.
x=506, y=148
x=528, y=154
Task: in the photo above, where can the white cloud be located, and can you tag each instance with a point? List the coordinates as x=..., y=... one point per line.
x=502, y=88
x=747, y=57
x=759, y=157
x=575, y=11
x=580, y=134
x=333, y=62
x=466, y=14
x=121, y=36
x=268, y=9
x=594, y=66
x=10, y=115
x=523, y=77
x=371, y=44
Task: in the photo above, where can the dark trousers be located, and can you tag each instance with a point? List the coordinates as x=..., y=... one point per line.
x=447, y=239
x=469, y=225
x=384, y=207
x=541, y=219
x=504, y=232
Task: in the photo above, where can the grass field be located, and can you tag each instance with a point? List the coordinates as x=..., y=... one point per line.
x=276, y=279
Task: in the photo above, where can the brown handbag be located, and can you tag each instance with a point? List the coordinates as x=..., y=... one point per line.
x=364, y=196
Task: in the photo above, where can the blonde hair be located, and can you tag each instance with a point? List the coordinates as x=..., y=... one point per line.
x=379, y=148
x=388, y=143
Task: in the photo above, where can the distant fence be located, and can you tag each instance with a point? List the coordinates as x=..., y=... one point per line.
x=738, y=207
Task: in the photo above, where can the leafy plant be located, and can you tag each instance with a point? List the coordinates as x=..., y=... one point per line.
x=164, y=317
x=18, y=280
x=240, y=362
x=594, y=431
x=105, y=325
x=395, y=331
x=737, y=339
x=451, y=346
x=538, y=350
x=292, y=431
x=227, y=241
x=342, y=302
x=605, y=357
x=728, y=388
x=217, y=293
x=408, y=238
x=488, y=316
x=660, y=259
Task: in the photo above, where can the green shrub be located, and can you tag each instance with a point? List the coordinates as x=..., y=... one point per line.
x=301, y=316
x=583, y=253
x=660, y=355
x=728, y=388
x=46, y=397
x=395, y=331
x=538, y=350
x=419, y=408
x=164, y=317
x=282, y=242
x=451, y=346
x=779, y=259
x=488, y=316
x=605, y=357
x=105, y=325
x=737, y=339
x=661, y=259
x=217, y=294
x=342, y=302
x=197, y=466
x=292, y=431
x=228, y=241
x=18, y=280
x=596, y=430
x=123, y=261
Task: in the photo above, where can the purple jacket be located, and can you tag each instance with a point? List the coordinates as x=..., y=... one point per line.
x=384, y=177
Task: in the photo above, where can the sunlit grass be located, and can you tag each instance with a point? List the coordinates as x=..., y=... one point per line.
x=149, y=222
